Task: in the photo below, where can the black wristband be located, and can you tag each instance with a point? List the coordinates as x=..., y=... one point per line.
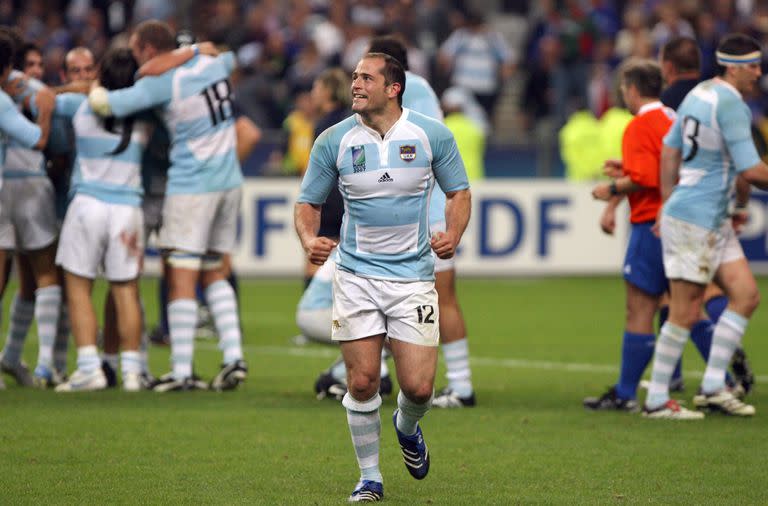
x=613, y=189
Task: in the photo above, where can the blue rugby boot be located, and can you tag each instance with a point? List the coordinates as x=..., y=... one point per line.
x=367, y=491
x=414, y=450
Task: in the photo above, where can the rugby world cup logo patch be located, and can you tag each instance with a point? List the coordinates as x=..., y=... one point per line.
x=408, y=153
x=358, y=159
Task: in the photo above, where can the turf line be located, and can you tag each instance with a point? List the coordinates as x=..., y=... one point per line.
x=508, y=363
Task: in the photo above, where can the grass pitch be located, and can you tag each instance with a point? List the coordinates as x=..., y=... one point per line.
x=538, y=347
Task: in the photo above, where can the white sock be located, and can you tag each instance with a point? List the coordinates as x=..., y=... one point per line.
x=456, y=355
x=88, y=359
x=223, y=305
x=47, y=303
x=182, y=318
x=130, y=362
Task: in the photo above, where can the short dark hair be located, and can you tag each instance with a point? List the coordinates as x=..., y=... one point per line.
x=19, y=60
x=645, y=75
x=157, y=34
x=391, y=45
x=683, y=53
x=117, y=69
x=6, y=52
x=736, y=44
x=393, y=72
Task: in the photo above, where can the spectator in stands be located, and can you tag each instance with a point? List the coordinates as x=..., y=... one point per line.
x=670, y=25
x=479, y=60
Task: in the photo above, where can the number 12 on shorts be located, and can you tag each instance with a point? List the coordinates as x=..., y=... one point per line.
x=425, y=313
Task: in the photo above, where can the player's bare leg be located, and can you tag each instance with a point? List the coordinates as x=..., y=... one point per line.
x=125, y=295
x=88, y=375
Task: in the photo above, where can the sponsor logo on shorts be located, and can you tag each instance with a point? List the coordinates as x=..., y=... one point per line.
x=385, y=178
x=336, y=325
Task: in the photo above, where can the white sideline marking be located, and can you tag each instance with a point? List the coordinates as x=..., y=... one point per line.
x=507, y=363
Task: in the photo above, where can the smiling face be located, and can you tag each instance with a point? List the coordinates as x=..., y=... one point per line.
x=370, y=91
x=33, y=64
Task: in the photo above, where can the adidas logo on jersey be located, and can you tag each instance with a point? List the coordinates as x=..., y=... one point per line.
x=385, y=178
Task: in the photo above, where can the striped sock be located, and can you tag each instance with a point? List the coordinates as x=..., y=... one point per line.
x=182, y=318
x=130, y=362
x=22, y=312
x=61, y=345
x=669, y=347
x=456, y=355
x=223, y=304
x=88, y=359
x=726, y=337
x=47, y=304
x=409, y=413
x=365, y=427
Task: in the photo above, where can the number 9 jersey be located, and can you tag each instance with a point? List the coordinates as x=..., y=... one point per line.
x=195, y=102
x=712, y=130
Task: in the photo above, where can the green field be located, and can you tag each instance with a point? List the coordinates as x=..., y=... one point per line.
x=538, y=347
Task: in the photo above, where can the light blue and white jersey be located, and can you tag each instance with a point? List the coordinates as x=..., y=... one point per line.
x=712, y=130
x=420, y=97
x=196, y=106
x=98, y=171
x=477, y=57
x=20, y=160
x=14, y=127
x=386, y=184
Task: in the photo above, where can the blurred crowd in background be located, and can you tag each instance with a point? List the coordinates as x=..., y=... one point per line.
x=519, y=68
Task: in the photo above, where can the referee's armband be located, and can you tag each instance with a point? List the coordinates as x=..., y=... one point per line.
x=98, y=99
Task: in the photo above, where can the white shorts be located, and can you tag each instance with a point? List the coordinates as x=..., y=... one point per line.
x=27, y=214
x=693, y=253
x=364, y=307
x=96, y=235
x=442, y=265
x=198, y=223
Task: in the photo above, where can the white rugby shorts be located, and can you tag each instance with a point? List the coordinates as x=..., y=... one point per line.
x=198, y=223
x=364, y=307
x=99, y=235
x=693, y=253
x=27, y=214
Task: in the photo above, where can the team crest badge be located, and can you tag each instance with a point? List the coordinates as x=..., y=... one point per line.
x=358, y=159
x=408, y=153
